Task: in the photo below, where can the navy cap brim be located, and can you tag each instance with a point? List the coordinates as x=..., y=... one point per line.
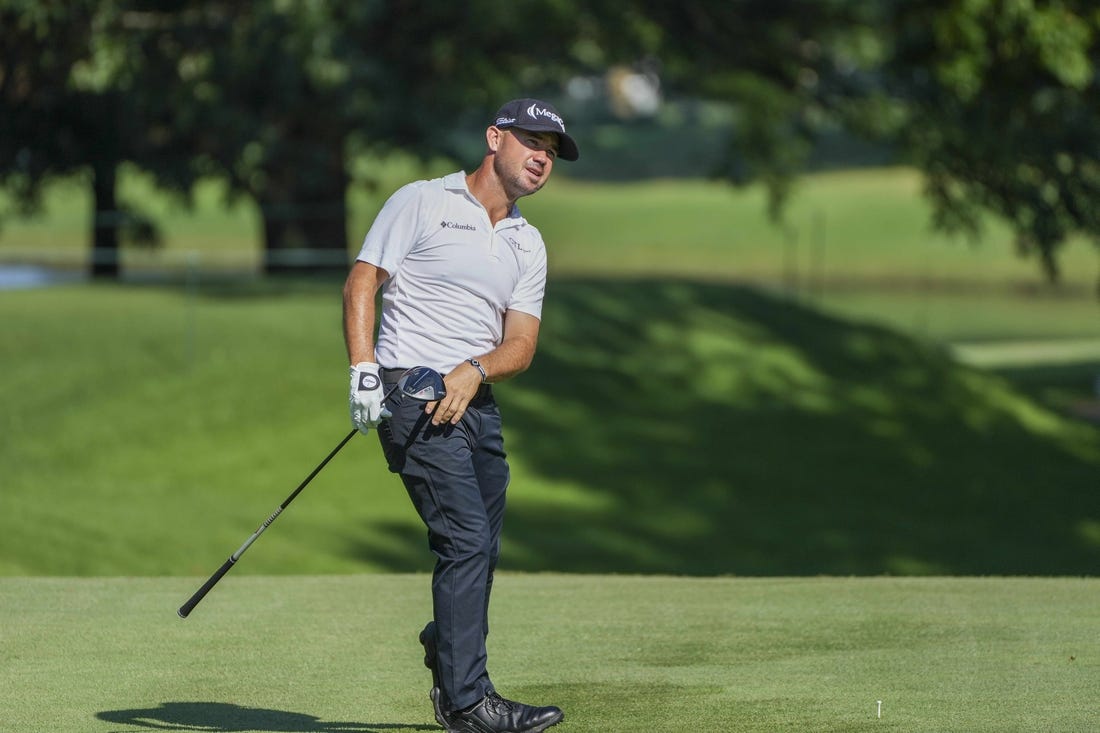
x=567, y=146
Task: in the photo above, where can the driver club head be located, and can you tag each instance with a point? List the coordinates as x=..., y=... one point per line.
x=422, y=383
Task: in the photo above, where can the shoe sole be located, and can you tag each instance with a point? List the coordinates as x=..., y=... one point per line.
x=536, y=729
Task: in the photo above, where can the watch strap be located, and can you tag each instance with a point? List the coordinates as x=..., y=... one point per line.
x=477, y=365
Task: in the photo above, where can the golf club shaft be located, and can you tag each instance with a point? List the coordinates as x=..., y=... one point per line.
x=193, y=601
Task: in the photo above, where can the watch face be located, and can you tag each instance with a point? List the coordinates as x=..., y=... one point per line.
x=367, y=382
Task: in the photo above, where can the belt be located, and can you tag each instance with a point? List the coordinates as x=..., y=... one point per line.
x=392, y=375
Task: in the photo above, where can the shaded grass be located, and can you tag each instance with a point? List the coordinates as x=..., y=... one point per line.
x=666, y=427
x=337, y=654
x=725, y=431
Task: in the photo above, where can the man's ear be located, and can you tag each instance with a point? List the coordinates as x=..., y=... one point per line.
x=493, y=137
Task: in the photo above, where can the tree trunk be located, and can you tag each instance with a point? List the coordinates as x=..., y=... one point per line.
x=105, y=223
x=305, y=226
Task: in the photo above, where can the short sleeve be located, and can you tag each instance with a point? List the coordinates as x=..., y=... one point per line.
x=396, y=229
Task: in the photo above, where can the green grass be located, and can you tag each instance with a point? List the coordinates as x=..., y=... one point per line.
x=665, y=427
x=618, y=654
x=711, y=398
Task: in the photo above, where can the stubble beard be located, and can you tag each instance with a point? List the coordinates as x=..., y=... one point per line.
x=516, y=184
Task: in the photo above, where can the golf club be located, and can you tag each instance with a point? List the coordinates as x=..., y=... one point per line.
x=419, y=383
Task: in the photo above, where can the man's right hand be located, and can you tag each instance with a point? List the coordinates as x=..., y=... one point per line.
x=365, y=399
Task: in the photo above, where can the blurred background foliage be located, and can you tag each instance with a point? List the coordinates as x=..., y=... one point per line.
x=994, y=101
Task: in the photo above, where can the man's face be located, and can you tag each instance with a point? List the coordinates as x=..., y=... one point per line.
x=524, y=159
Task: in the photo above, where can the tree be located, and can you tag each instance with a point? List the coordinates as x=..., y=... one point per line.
x=66, y=108
x=33, y=80
x=769, y=58
x=281, y=94
x=1000, y=107
x=272, y=97
x=995, y=101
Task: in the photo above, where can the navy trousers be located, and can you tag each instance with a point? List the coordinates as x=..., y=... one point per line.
x=457, y=477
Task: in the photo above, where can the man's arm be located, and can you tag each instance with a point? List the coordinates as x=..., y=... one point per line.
x=514, y=355
x=516, y=350
x=360, y=290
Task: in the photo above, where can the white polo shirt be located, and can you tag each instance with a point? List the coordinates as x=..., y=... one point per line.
x=452, y=274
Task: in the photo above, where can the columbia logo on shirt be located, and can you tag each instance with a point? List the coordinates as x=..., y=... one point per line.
x=455, y=225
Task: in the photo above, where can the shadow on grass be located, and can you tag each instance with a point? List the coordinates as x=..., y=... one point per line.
x=220, y=717
x=704, y=429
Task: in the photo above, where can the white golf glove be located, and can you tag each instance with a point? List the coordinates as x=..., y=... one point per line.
x=367, y=409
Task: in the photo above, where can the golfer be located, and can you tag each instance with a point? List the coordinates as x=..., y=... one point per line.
x=462, y=276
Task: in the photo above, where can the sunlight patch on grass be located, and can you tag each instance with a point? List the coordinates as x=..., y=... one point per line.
x=1089, y=532
x=1028, y=352
x=734, y=361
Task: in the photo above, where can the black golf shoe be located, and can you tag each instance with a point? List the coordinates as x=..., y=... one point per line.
x=431, y=661
x=494, y=714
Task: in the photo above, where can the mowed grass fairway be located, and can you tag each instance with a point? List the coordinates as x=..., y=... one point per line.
x=760, y=482
x=339, y=654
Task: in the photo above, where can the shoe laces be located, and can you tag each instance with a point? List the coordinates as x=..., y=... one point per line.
x=498, y=704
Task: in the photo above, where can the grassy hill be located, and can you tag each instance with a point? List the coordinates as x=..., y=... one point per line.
x=667, y=426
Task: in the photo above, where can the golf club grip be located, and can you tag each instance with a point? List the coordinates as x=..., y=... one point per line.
x=193, y=601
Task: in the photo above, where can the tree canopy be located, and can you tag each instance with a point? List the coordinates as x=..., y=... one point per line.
x=1000, y=107
x=996, y=101
x=272, y=97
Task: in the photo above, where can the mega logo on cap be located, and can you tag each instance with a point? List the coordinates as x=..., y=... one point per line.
x=538, y=116
x=535, y=111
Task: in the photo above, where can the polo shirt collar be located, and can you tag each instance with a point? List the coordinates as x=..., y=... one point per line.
x=457, y=182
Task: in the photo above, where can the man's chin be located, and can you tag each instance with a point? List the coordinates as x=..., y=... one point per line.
x=526, y=187
x=534, y=182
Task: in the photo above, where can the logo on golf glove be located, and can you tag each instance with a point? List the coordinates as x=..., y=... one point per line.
x=365, y=399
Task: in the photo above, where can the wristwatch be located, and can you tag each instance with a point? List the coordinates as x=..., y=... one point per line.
x=477, y=365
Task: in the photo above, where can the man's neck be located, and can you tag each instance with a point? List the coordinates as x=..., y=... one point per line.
x=485, y=187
